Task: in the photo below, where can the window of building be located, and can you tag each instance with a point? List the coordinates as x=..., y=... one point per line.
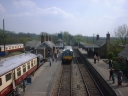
x=28, y=65
x=24, y=68
x=18, y=71
x=8, y=76
x=0, y=81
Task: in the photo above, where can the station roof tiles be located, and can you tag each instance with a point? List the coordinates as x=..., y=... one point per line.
x=124, y=52
x=91, y=46
x=46, y=43
x=100, y=42
x=33, y=43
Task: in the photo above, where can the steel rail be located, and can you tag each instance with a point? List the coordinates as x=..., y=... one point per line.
x=61, y=81
x=88, y=91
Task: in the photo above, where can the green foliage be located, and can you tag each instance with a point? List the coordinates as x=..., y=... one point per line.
x=115, y=58
x=13, y=38
x=110, y=55
x=116, y=65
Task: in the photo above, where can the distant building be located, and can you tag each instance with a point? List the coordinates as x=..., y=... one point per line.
x=59, y=44
x=32, y=45
x=123, y=55
x=100, y=47
x=60, y=36
x=44, y=47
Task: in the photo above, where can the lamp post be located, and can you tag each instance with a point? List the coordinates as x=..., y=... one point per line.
x=3, y=37
x=93, y=38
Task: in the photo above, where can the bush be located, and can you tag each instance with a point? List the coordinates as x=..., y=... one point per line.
x=115, y=58
x=116, y=66
x=110, y=55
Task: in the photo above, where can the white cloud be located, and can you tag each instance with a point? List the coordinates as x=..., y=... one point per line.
x=53, y=11
x=2, y=8
x=57, y=11
x=25, y=14
x=24, y=3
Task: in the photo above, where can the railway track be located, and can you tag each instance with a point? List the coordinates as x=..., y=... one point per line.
x=65, y=82
x=75, y=80
x=91, y=87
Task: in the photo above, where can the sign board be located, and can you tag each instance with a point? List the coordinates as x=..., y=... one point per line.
x=29, y=80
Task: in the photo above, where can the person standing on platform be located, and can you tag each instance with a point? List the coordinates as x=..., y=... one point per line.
x=95, y=57
x=111, y=74
x=110, y=64
x=120, y=81
x=50, y=61
x=98, y=58
x=120, y=74
x=55, y=55
x=113, y=77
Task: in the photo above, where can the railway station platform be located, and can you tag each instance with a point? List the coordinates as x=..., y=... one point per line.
x=43, y=79
x=103, y=69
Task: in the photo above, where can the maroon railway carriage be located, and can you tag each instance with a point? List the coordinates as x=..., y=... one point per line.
x=12, y=47
x=15, y=69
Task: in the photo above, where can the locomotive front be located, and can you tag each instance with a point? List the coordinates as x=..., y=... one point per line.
x=67, y=55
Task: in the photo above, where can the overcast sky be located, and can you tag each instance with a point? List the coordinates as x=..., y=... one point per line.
x=85, y=17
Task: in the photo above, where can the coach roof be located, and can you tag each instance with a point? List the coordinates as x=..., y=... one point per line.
x=10, y=63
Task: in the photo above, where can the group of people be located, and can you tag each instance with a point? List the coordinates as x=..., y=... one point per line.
x=119, y=77
x=52, y=58
x=96, y=58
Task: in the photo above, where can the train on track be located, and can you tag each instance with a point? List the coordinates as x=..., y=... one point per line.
x=67, y=55
x=12, y=47
x=15, y=69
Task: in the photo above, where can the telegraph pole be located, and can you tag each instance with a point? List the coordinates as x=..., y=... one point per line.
x=3, y=37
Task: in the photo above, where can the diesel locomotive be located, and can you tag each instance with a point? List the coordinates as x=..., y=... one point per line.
x=67, y=55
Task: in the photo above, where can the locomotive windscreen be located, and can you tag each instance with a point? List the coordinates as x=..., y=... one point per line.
x=68, y=53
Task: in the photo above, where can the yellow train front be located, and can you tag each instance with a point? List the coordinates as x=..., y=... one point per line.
x=67, y=55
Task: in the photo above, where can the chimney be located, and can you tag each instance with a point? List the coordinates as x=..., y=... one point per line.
x=97, y=37
x=107, y=43
x=42, y=38
x=47, y=38
x=107, y=36
x=50, y=38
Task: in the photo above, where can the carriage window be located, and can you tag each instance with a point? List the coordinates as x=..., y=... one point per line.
x=8, y=77
x=24, y=68
x=28, y=65
x=32, y=63
x=18, y=71
x=0, y=81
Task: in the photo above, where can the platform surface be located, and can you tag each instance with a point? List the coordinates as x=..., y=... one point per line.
x=103, y=69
